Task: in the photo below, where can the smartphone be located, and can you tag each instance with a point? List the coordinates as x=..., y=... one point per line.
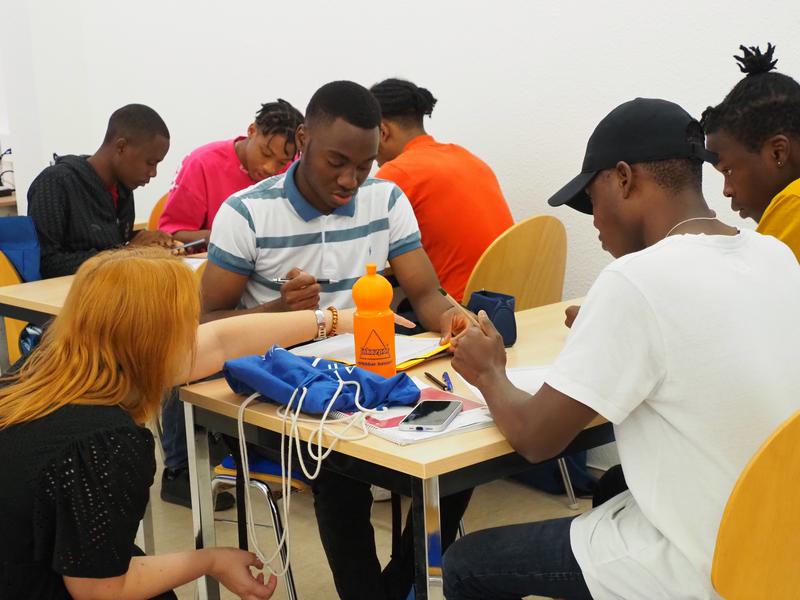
x=431, y=415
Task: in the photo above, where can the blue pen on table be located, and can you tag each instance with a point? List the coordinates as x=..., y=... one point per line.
x=448, y=381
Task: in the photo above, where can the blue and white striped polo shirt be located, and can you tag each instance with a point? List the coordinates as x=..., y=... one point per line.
x=269, y=228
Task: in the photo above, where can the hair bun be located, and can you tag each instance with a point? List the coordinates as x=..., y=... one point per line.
x=425, y=101
x=754, y=62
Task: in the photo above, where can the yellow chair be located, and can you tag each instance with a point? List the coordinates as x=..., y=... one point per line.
x=756, y=551
x=9, y=276
x=155, y=214
x=527, y=261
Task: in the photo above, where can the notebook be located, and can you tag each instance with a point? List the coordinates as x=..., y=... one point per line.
x=410, y=351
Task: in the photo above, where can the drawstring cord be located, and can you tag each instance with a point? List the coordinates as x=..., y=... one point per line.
x=290, y=416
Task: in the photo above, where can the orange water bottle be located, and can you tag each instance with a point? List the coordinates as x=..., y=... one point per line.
x=373, y=323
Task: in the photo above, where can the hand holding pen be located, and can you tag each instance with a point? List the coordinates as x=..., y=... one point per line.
x=181, y=249
x=299, y=290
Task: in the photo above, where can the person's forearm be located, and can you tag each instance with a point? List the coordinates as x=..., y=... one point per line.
x=274, y=306
x=505, y=402
x=223, y=340
x=429, y=309
x=147, y=576
x=186, y=236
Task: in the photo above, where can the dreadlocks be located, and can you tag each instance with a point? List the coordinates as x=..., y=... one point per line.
x=761, y=105
x=403, y=101
x=279, y=118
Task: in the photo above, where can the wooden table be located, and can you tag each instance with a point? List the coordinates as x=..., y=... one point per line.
x=423, y=471
x=39, y=301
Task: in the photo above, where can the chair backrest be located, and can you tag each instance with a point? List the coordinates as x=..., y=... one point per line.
x=527, y=261
x=9, y=276
x=756, y=551
x=19, y=242
x=155, y=214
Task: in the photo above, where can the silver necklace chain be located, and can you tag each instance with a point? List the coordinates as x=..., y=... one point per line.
x=674, y=227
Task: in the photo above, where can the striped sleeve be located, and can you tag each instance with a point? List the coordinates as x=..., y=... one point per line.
x=233, y=238
x=404, y=233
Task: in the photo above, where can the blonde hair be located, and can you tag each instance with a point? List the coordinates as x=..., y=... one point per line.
x=129, y=323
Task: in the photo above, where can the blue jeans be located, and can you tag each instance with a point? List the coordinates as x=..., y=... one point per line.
x=505, y=563
x=176, y=455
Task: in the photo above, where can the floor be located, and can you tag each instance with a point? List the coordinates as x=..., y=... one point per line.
x=498, y=503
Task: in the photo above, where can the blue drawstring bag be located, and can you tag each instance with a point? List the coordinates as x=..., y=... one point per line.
x=278, y=373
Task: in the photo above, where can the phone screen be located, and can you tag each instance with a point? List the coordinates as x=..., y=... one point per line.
x=432, y=412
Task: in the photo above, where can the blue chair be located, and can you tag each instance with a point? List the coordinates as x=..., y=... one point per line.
x=19, y=263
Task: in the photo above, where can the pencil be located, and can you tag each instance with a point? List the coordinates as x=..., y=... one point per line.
x=435, y=380
x=452, y=301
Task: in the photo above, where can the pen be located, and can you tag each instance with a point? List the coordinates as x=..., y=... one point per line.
x=448, y=381
x=438, y=383
x=190, y=244
x=283, y=280
x=452, y=301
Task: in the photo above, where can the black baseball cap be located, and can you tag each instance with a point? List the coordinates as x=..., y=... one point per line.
x=642, y=130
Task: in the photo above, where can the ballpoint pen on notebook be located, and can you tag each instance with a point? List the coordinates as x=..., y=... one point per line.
x=435, y=380
x=447, y=381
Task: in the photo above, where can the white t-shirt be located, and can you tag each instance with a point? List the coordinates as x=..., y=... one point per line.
x=690, y=348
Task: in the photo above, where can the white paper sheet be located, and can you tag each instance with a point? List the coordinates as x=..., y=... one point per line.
x=342, y=348
x=529, y=379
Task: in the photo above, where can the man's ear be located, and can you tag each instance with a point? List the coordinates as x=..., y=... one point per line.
x=120, y=144
x=623, y=173
x=251, y=130
x=301, y=137
x=779, y=149
x=386, y=132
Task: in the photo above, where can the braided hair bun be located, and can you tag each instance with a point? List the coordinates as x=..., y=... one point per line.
x=753, y=62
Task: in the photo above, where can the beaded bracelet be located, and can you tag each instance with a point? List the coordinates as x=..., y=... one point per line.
x=334, y=319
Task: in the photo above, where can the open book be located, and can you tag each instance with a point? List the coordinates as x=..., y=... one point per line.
x=474, y=415
x=409, y=350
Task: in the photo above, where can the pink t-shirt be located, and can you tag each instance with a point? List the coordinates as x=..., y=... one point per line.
x=206, y=178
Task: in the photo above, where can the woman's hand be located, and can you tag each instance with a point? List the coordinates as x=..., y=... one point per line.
x=231, y=567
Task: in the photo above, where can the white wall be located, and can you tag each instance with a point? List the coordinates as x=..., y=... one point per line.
x=520, y=83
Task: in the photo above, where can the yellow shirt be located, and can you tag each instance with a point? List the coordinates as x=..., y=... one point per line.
x=782, y=217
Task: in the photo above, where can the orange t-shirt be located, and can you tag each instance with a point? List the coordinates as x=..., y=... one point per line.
x=458, y=203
